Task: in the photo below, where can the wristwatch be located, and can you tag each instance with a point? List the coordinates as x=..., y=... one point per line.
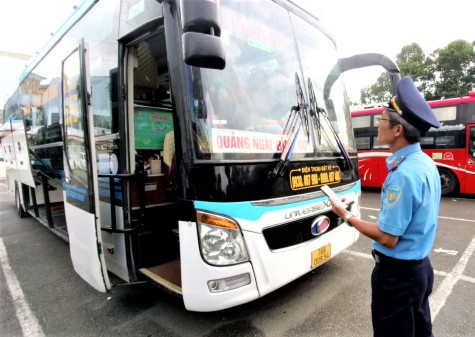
x=348, y=216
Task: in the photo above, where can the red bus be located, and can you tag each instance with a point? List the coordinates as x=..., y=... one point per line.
x=452, y=146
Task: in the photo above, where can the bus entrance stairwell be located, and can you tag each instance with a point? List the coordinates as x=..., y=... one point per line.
x=152, y=195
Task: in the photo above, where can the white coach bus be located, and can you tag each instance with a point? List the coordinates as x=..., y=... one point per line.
x=185, y=143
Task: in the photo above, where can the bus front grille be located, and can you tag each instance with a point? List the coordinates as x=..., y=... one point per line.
x=297, y=232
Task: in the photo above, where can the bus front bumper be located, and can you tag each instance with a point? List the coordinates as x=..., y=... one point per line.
x=267, y=270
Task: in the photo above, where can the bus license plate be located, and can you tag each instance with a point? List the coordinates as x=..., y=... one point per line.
x=321, y=255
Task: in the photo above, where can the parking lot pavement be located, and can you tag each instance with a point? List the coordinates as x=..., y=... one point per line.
x=332, y=300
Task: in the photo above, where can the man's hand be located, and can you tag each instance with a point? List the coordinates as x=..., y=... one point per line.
x=339, y=207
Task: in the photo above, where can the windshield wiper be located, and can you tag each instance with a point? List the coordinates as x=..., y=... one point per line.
x=315, y=113
x=298, y=116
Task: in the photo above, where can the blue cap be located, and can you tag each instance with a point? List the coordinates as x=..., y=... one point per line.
x=412, y=107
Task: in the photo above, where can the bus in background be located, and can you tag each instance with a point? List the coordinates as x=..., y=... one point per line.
x=2, y=164
x=185, y=143
x=452, y=146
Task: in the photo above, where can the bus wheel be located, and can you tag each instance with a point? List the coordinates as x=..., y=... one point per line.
x=448, y=180
x=21, y=213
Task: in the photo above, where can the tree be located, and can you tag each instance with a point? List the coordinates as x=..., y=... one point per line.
x=377, y=92
x=411, y=62
x=445, y=73
x=455, y=68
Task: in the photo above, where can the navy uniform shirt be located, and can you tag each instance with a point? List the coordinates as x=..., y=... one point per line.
x=410, y=203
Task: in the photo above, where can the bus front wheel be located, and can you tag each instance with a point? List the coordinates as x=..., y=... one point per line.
x=448, y=181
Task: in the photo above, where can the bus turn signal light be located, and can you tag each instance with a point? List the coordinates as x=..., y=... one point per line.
x=214, y=220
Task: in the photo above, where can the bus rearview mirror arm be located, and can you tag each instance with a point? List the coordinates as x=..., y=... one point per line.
x=361, y=61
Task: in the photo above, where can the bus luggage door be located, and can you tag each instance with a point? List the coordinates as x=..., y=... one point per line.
x=80, y=174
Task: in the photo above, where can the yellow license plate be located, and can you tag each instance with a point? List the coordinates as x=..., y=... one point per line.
x=321, y=255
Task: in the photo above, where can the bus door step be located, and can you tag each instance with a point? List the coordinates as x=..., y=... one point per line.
x=39, y=182
x=167, y=275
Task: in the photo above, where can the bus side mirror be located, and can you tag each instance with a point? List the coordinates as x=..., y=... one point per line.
x=202, y=46
x=202, y=50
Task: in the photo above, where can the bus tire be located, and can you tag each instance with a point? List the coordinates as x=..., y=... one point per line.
x=448, y=181
x=20, y=211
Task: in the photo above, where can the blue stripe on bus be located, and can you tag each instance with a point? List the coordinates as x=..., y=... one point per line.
x=106, y=194
x=74, y=188
x=245, y=210
x=75, y=195
x=104, y=188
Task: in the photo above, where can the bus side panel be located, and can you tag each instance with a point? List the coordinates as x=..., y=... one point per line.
x=452, y=160
x=10, y=167
x=13, y=179
x=2, y=156
x=195, y=274
x=372, y=168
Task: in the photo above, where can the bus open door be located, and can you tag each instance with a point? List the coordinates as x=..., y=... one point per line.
x=470, y=181
x=80, y=174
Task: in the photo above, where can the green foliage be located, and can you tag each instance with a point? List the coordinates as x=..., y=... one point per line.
x=455, y=65
x=411, y=60
x=377, y=92
x=446, y=73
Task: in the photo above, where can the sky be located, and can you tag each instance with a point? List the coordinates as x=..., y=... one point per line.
x=25, y=27
x=359, y=26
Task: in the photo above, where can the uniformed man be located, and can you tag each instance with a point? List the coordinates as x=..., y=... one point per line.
x=403, y=276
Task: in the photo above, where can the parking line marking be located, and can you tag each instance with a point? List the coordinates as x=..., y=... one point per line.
x=371, y=209
x=436, y=272
x=468, y=279
x=441, y=294
x=28, y=322
x=352, y=252
x=440, y=217
x=456, y=219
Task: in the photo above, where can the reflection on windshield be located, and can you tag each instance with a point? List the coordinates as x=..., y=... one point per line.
x=241, y=112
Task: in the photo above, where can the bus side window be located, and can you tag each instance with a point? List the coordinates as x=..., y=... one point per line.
x=362, y=130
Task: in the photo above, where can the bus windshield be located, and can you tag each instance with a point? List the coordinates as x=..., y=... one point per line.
x=240, y=112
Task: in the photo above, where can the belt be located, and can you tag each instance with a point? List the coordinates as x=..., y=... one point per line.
x=387, y=260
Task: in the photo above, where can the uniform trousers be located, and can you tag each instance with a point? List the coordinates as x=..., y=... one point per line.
x=400, y=297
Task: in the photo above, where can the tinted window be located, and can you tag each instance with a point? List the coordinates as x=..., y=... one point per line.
x=446, y=113
x=361, y=122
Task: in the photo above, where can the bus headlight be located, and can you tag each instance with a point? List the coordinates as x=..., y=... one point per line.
x=221, y=240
